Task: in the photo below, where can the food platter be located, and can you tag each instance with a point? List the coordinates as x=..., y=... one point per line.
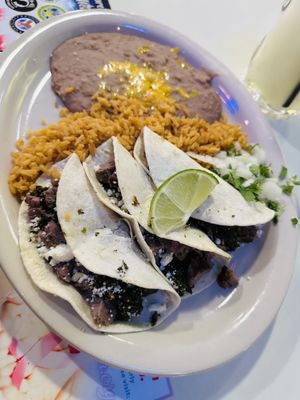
x=208, y=329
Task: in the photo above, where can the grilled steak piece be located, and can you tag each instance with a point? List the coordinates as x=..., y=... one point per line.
x=228, y=238
x=52, y=235
x=182, y=265
x=63, y=271
x=227, y=278
x=103, y=313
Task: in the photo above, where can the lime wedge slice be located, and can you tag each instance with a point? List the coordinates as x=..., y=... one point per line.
x=178, y=197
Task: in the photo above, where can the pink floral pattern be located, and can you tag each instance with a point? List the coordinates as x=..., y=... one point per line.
x=37, y=364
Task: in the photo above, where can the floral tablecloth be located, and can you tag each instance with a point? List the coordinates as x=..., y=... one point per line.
x=36, y=364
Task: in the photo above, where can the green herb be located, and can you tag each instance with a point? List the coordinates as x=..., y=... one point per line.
x=295, y=180
x=254, y=169
x=250, y=193
x=274, y=205
x=283, y=173
x=261, y=170
x=289, y=184
x=265, y=170
x=287, y=189
x=96, y=233
x=260, y=174
x=251, y=147
x=235, y=180
x=84, y=230
x=295, y=221
x=247, y=194
x=232, y=151
x=277, y=207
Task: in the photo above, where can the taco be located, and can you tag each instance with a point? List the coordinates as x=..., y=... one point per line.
x=227, y=218
x=187, y=257
x=76, y=248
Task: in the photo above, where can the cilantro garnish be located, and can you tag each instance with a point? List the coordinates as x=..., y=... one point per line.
x=295, y=180
x=251, y=147
x=251, y=189
x=287, y=189
x=254, y=169
x=232, y=151
x=265, y=170
x=274, y=205
x=247, y=194
x=283, y=173
x=277, y=207
x=295, y=221
x=251, y=192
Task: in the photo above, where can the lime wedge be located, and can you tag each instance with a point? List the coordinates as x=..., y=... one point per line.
x=178, y=197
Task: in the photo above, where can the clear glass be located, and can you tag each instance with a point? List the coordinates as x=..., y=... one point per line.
x=273, y=76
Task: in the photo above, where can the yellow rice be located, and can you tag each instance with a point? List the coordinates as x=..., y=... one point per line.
x=114, y=115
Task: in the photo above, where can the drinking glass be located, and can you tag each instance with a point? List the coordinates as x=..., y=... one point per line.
x=273, y=75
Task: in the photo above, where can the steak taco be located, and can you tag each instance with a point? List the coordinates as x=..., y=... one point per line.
x=187, y=257
x=76, y=248
x=225, y=216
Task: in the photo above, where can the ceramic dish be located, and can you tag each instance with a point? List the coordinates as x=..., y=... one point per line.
x=208, y=329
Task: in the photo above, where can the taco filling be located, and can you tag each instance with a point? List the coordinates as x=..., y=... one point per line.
x=109, y=299
x=182, y=265
x=107, y=176
x=228, y=238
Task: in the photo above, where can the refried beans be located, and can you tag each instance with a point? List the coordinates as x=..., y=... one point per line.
x=112, y=62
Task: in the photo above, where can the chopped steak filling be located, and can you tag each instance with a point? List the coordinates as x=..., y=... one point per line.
x=107, y=176
x=228, y=238
x=182, y=265
x=227, y=278
x=109, y=299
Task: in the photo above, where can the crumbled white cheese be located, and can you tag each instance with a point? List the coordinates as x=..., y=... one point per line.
x=241, y=164
x=259, y=154
x=259, y=233
x=166, y=259
x=270, y=191
x=248, y=182
x=60, y=253
x=222, y=155
x=244, y=172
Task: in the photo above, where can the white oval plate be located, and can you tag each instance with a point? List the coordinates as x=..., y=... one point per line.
x=208, y=329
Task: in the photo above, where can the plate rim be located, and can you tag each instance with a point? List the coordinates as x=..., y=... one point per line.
x=17, y=46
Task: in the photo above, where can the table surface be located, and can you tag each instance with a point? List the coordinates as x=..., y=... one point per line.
x=269, y=369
